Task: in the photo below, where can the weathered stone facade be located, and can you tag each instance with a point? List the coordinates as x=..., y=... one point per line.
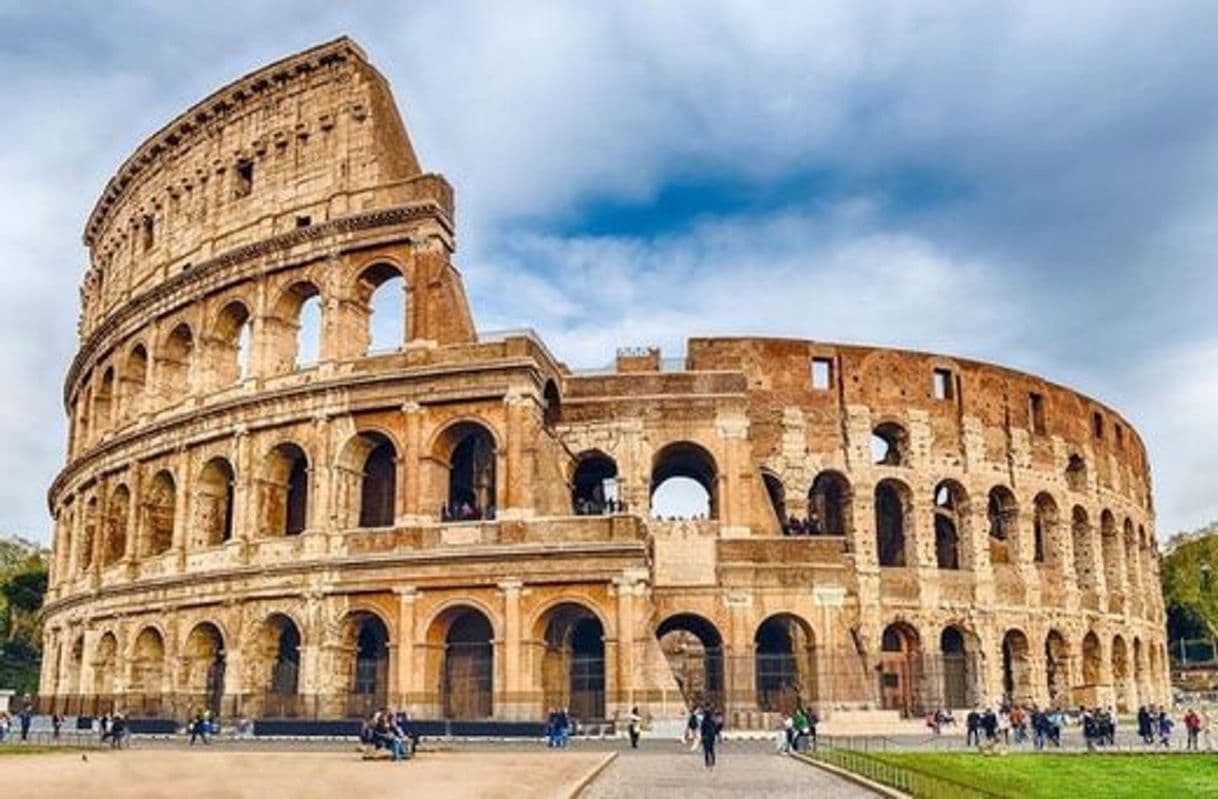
x=435, y=525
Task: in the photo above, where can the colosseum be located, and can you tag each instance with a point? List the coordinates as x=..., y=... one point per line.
x=275, y=508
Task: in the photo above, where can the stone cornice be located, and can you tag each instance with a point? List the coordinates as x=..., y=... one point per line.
x=218, y=103
x=385, y=217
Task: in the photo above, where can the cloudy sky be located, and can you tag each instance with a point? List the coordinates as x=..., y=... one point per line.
x=1027, y=183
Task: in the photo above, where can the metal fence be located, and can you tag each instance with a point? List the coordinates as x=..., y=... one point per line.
x=1195, y=652
x=858, y=756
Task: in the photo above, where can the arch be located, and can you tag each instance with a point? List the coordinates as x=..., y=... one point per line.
x=214, y=503
x=468, y=451
x=1076, y=473
x=831, y=505
x=232, y=337
x=1092, y=660
x=175, y=362
x=1002, y=511
x=1046, y=546
x=284, y=500
x=900, y=670
x=959, y=672
x=76, y=661
x=594, y=484
x=1084, y=552
x=784, y=663
x=1111, y=551
x=118, y=513
x=553, y=404
x=105, y=667
x=147, y=672
x=1016, y=668
x=89, y=545
x=889, y=445
x=275, y=664
x=572, y=664
x=951, y=514
x=104, y=401
x=778, y=497
x=296, y=327
x=1057, y=668
x=678, y=471
x=133, y=381
x=160, y=505
x=367, y=639
x=693, y=648
x=466, y=639
x=204, y=661
x=378, y=479
x=381, y=288
x=892, y=511
x=1120, y=675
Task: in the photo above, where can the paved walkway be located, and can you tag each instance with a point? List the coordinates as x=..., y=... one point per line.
x=668, y=772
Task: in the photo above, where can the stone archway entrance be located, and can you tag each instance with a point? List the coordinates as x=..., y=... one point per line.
x=901, y=670
x=573, y=661
x=694, y=650
x=469, y=667
x=784, y=663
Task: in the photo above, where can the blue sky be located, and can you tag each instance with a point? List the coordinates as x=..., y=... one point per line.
x=1028, y=183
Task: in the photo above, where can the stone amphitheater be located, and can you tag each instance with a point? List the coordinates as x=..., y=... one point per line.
x=274, y=507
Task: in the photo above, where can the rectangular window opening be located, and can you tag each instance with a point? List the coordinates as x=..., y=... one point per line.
x=1036, y=411
x=822, y=373
x=1097, y=424
x=943, y=384
x=304, y=221
x=146, y=233
x=245, y=178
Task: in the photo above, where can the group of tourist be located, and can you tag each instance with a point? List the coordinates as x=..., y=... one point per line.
x=598, y=507
x=114, y=728
x=24, y=718
x=703, y=728
x=202, y=725
x=798, y=729
x=796, y=526
x=466, y=512
x=559, y=724
x=391, y=732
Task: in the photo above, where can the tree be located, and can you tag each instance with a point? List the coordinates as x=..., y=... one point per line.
x=1189, y=571
x=23, y=585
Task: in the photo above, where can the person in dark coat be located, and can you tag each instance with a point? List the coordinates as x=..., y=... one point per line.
x=1145, y=726
x=25, y=717
x=710, y=729
x=972, y=723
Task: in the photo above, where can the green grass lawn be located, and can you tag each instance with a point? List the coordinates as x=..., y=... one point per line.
x=32, y=749
x=1110, y=776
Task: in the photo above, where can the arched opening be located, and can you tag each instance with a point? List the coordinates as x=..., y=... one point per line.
x=594, y=485
x=573, y=661
x=951, y=510
x=891, y=518
x=1139, y=669
x=553, y=404
x=285, y=491
x=1120, y=675
x=103, y=401
x=378, y=486
x=174, y=364
x=368, y=642
x=160, y=502
x=778, y=499
x=693, y=649
x=1092, y=662
x=1076, y=473
x=829, y=505
x=957, y=669
x=469, y=453
x=684, y=483
x=76, y=662
x=1057, y=668
x=105, y=668
x=83, y=408
x=232, y=340
x=118, y=511
x=901, y=669
x=1016, y=668
x=784, y=663
x=1003, y=513
x=133, y=379
x=383, y=290
x=1044, y=530
x=1111, y=550
x=1084, y=553
x=88, y=543
x=277, y=658
x=203, y=667
x=469, y=666
x=147, y=674
x=889, y=445
x=296, y=328
x=214, y=503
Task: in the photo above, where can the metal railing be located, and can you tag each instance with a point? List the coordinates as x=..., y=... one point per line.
x=857, y=758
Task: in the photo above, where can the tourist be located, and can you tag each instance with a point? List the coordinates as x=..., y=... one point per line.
x=1145, y=726
x=1192, y=726
x=56, y=725
x=117, y=731
x=692, y=725
x=200, y=727
x=972, y=724
x=552, y=728
x=989, y=723
x=4, y=727
x=1090, y=729
x=1165, y=728
x=26, y=717
x=800, y=723
x=786, y=734
x=1057, y=722
x=813, y=720
x=1040, y=728
x=385, y=734
x=1004, y=725
x=565, y=722
x=710, y=730
x=633, y=722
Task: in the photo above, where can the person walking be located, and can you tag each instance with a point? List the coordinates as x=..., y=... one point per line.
x=1192, y=725
x=1145, y=726
x=1165, y=728
x=692, y=728
x=972, y=723
x=26, y=717
x=633, y=722
x=709, y=729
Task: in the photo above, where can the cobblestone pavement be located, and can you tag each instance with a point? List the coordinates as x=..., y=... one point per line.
x=672, y=771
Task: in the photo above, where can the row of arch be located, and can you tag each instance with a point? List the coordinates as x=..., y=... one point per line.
x=235, y=343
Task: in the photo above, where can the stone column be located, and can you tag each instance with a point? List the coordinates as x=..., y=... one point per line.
x=411, y=500
x=740, y=695
x=183, y=507
x=406, y=688
x=509, y=703
x=245, y=493
x=733, y=431
x=516, y=495
x=629, y=587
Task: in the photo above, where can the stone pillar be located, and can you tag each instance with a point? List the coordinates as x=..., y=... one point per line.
x=509, y=703
x=245, y=492
x=733, y=431
x=406, y=684
x=629, y=587
x=412, y=458
x=183, y=507
x=740, y=694
x=515, y=495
